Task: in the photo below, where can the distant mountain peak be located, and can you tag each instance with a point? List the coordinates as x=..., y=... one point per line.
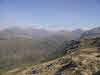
x=93, y=33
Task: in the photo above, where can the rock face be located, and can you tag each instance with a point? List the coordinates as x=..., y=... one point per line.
x=82, y=58
x=72, y=45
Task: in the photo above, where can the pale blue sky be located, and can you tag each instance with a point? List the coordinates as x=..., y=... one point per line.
x=50, y=13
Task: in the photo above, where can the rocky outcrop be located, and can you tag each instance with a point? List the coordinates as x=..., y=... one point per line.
x=72, y=45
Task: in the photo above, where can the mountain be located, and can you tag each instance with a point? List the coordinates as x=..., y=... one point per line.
x=33, y=33
x=78, y=33
x=20, y=46
x=93, y=33
x=23, y=46
x=78, y=60
x=21, y=33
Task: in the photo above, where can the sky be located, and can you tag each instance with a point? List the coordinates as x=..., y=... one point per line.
x=70, y=14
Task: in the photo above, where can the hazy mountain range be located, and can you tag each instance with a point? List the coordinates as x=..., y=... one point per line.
x=93, y=33
x=33, y=33
x=36, y=33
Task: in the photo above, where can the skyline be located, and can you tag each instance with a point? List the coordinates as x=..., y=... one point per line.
x=69, y=14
